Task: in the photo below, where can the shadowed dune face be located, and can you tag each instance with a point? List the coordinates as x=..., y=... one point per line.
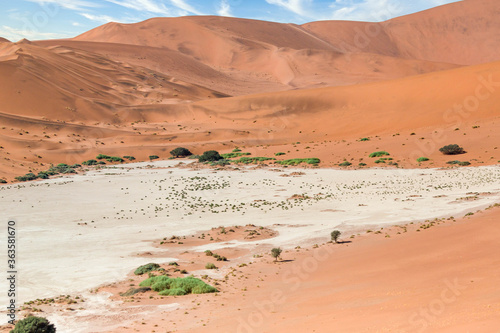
x=151, y=86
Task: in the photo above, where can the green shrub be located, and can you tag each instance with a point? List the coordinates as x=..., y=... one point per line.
x=173, y=292
x=364, y=139
x=279, y=154
x=146, y=268
x=102, y=157
x=221, y=163
x=210, y=266
x=276, y=253
x=335, y=235
x=252, y=160
x=379, y=154
x=362, y=164
x=3, y=181
x=180, y=152
x=345, y=164
x=34, y=325
x=236, y=150
x=297, y=161
x=209, y=253
x=130, y=158
x=90, y=162
x=27, y=177
x=464, y=163
x=452, y=150
x=133, y=291
x=210, y=156
x=153, y=157
x=422, y=159
x=177, y=286
x=233, y=155
x=115, y=159
x=43, y=175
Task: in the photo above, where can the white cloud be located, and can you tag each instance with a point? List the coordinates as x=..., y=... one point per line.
x=378, y=10
x=69, y=4
x=14, y=34
x=107, y=19
x=143, y=5
x=295, y=6
x=224, y=9
x=182, y=4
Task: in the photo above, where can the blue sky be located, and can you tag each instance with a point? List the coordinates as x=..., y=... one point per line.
x=47, y=19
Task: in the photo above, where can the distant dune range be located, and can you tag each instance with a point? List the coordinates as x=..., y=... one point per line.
x=212, y=82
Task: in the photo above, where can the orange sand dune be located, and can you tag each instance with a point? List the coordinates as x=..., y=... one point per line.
x=459, y=33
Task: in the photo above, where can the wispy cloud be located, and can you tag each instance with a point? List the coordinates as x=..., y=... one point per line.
x=182, y=4
x=15, y=34
x=69, y=4
x=224, y=9
x=365, y=10
x=143, y=5
x=295, y=6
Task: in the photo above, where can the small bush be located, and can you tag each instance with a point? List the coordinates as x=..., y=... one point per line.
x=173, y=292
x=464, y=163
x=43, y=175
x=153, y=157
x=279, y=154
x=236, y=150
x=362, y=164
x=364, y=139
x=102, y=157
x=210, y=266
x=3, y=181
x=422, y=159
x=452, y=150
x=297, y=161
x=27, y=177
x=90, y=162
x=379, y=154
x=252, y=160
x=210, y=156
x=335, y=235
x=146, y=268
x=233, y=155
x=209, y=253
x=34, y=325
x=180, y=152
x=276, y=253
x=115, y=159
x=345, y=164
x=133, y=291
x=130, y=158
x=178, y=286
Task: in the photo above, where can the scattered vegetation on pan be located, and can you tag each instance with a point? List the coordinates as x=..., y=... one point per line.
x=215, y=255
x=297, y=161
x=146, y=268
x=453, y=149
x=3, y=181
x=379, y=154
x=180, y=152
x=459, y=163
x=276, y=253
x=34, y=324
x=422, y=159
x=167, y=286
x=210, y=156
x=61, y=168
